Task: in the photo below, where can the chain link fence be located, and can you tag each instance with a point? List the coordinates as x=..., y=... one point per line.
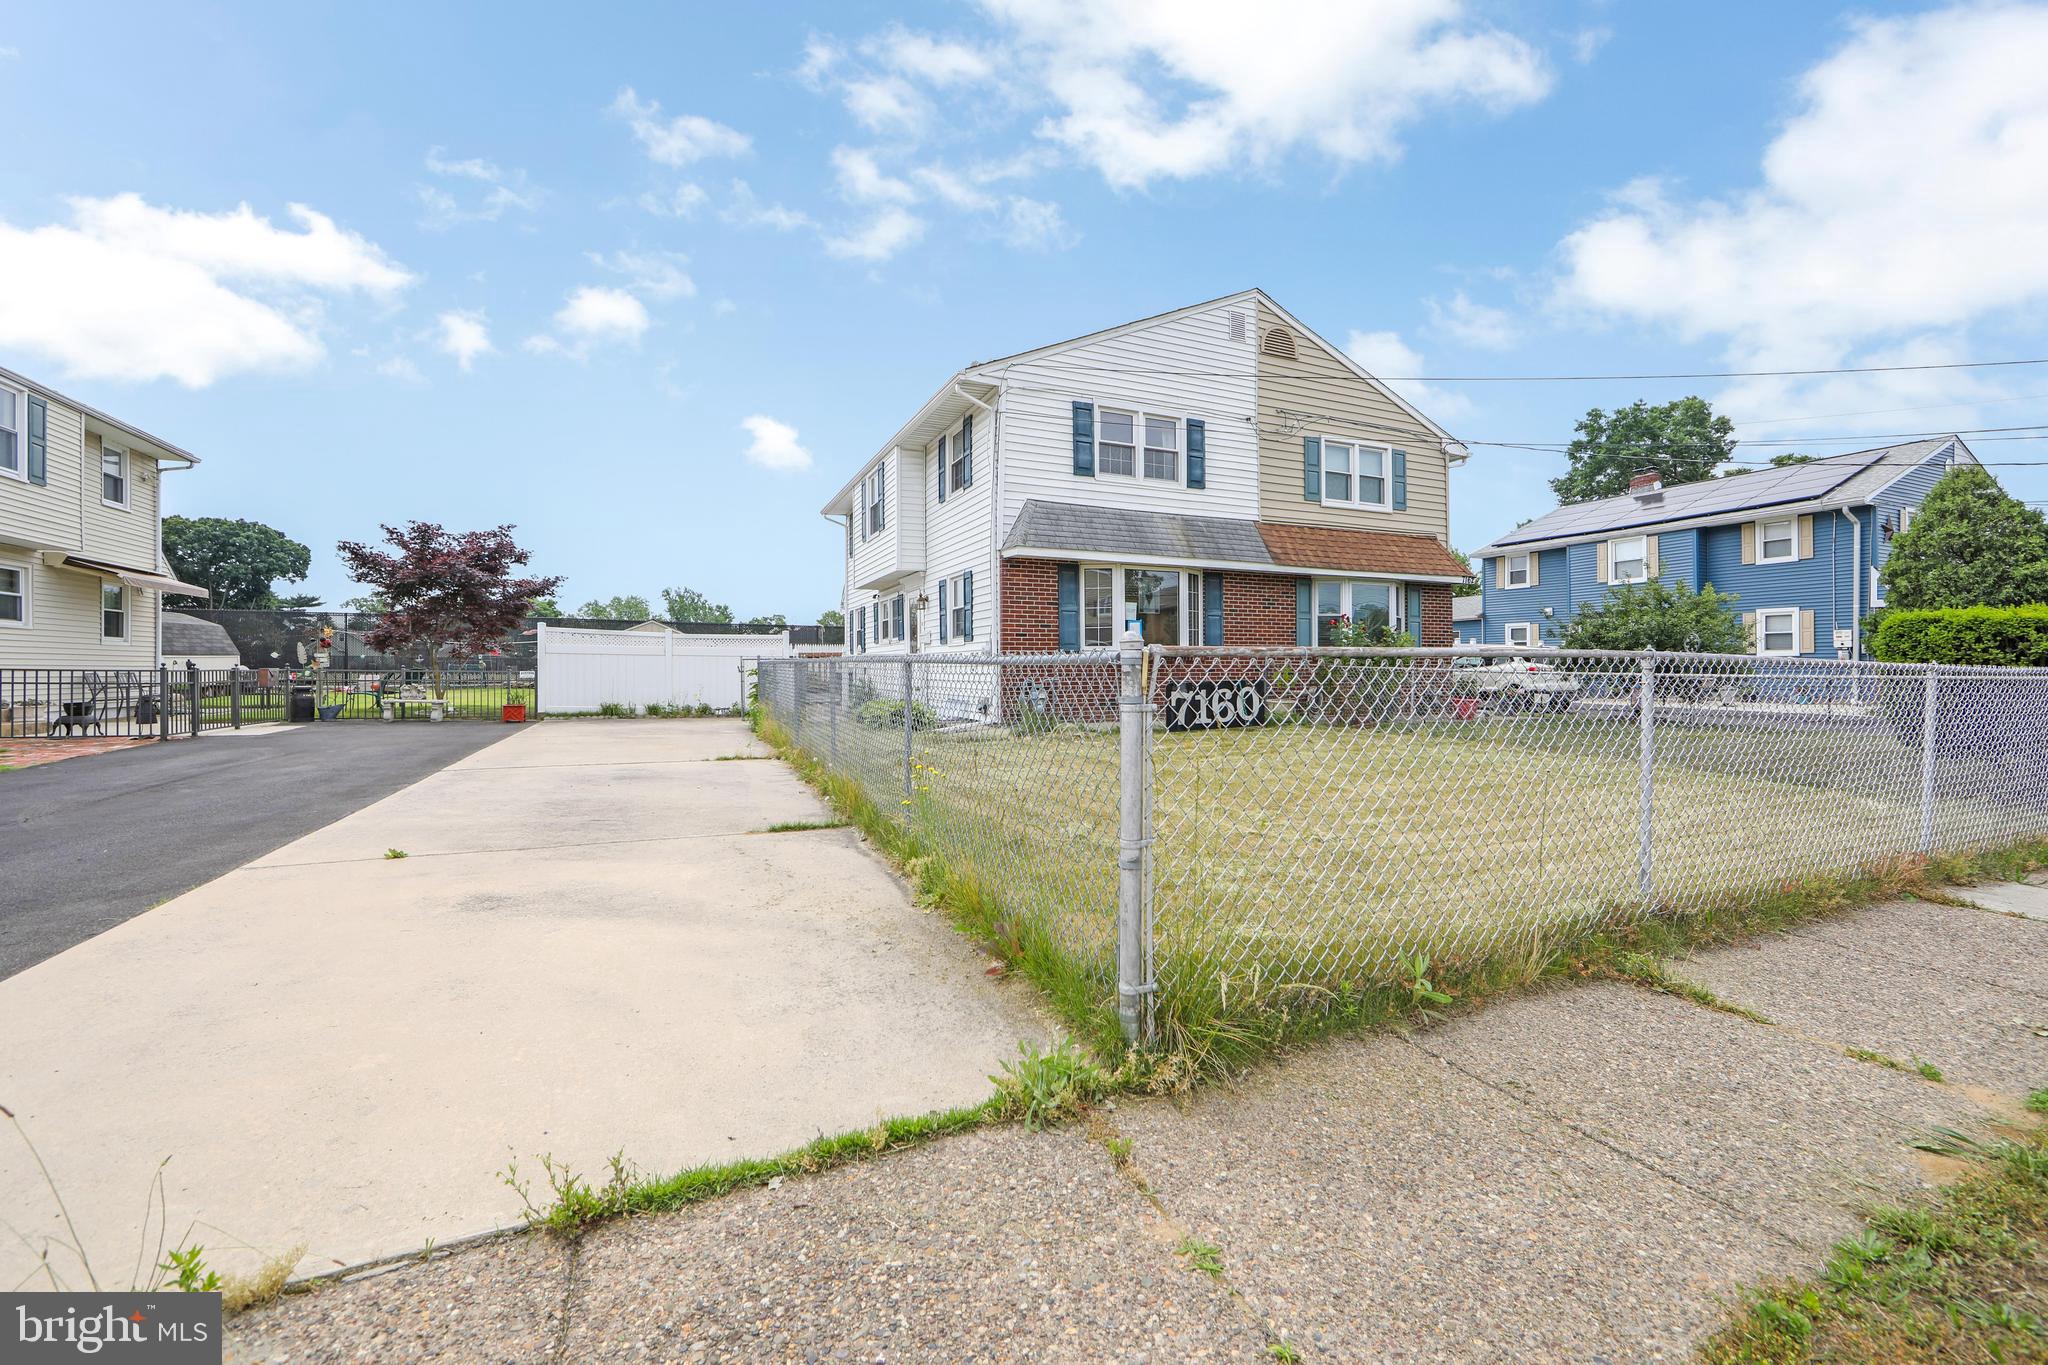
x=1226, y=828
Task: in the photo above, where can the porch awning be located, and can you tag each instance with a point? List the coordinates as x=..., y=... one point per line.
x=134, y=578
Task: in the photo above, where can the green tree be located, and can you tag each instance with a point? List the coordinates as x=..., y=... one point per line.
x=368, y=602
x=1784, y=461
x=778, y=619
x=1470, y=589
x=545, y=608
x=687, y=604
x=1972, y=545
x=299, y=601
x=235, y=561
x=629, y=608
x=1682, y=440
x=1660, y=615
x=832, y=617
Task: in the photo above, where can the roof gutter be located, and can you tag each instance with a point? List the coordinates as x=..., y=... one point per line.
x=1651, y=528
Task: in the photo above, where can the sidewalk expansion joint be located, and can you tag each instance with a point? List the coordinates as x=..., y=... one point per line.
x=1912, y=962
x=514, y=848
x=574, y=1261
x=1633, y=1158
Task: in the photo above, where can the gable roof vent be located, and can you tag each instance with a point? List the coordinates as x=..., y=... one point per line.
x=1237, y=327
x=1279, y=341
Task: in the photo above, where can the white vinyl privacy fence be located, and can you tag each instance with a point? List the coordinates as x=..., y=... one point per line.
x=587, y=670
x=1210, y=830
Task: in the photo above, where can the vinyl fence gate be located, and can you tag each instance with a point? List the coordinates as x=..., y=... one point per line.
x=586, y=670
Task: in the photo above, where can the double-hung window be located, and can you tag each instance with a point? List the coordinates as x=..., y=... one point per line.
x=1354, y=475
x=896, y=618
x=1777, y=540
x=961, y=472
x=113, y=612
x=1777, y=631
x=1116, y=448
x=1906, y=515
x=959, y=624
x=1520, y=635
x=1098, y=608
x=113, y=476
x=1628, y=560
x=876, y=486
x=13, y=594
x=1162, y=449
x=13, y=424
x=860, y=631
x=1518, y=572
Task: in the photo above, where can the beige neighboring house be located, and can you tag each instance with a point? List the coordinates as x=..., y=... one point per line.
x=81, y=533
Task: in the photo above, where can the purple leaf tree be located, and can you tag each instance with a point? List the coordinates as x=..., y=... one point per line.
x=448, y=591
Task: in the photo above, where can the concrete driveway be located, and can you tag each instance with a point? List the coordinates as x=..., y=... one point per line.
x=591, y=947
x=89, y=842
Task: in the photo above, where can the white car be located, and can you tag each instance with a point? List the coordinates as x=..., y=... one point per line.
x=1515, y=681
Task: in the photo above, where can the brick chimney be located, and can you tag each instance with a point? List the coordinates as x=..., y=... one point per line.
x=1645, y=481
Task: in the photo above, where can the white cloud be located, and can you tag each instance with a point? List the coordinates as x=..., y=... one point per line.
x=862, y=181
x=882, y=236
x=1901, y=204
x=655, y=275
x=953, y=188
x=774, y=445
x=127, y=290
x=1384, y=353
x=682, y=202
x=680, y=140
x=594, y=315
x=444, y=209
x=402, y=369
x=941, y=62
x=1144, y=91
x=1587, y=42
x=1035, y=225
x=744, y=209
x=8, y=54
x=1472, y=323
x=887, y=104
x=464, y=334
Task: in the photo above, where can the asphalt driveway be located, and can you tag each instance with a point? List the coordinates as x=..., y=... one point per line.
x=90, y=842
x=598, y=941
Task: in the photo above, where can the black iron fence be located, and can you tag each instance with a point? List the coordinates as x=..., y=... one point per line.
x=172, y=703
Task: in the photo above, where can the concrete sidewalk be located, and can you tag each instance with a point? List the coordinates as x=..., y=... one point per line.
x=590, y=948
x=1589, y=1173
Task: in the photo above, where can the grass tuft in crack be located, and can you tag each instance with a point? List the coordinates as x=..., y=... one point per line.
x=391, y=854
x=1962, y=1278
x=799, y=826
x=1206, y=1257
x=1926, y=1071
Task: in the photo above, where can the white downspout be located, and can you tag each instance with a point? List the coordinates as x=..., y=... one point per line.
x=1856, y=585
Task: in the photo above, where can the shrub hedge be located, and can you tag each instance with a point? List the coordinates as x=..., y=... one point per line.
x=2009, y=637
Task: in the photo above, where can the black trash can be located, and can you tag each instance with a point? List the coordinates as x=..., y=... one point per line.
x=299, y=706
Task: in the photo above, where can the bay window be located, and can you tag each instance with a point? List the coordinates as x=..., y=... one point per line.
x=1346, y=601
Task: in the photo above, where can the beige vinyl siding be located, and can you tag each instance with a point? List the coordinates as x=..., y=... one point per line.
x=121, y=535
x=1181, y=367
x=64, y=622
x=1346, y=407
x=49, y=514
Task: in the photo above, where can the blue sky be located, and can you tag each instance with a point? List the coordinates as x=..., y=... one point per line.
x=652, y=284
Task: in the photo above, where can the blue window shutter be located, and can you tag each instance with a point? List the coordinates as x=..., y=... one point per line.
x=942, y=611
x=967, y=451
x=1304, y=618
x=1414, y=612
x=38, y=440
x=1198, y=454
x=1400, y=481
x=1070, y=607
x=1212, y=608
x=1084, y=441
x=1311, y=470
x=967, y=601
x=942, y=469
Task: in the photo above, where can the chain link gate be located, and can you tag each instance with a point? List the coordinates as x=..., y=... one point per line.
x=1244, y=825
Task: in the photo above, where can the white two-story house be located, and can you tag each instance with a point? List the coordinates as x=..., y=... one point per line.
x=1216, y=475
x=81, y=544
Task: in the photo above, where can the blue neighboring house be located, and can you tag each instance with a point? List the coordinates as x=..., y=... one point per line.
x=1800, y=546
x=1468, y=618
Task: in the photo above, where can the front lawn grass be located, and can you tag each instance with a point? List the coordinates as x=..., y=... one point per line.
x=1300, y=872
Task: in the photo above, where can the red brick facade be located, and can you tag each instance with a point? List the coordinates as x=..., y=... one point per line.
x=1258, y=610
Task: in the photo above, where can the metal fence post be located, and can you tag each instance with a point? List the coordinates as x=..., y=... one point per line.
x=833, y=671
x=163, y=701
x=1134, y=837
x=1930, y=713
x=909, y=730
x=235, y=696
x=192, y=696
x=1646, y=745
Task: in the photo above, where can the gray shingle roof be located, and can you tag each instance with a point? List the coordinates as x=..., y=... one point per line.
x=1839, y=478
x=189, y=637
x=1470, y=607
x=1114, y=531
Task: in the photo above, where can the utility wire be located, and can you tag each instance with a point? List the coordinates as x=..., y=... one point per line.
x=1557, y=378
